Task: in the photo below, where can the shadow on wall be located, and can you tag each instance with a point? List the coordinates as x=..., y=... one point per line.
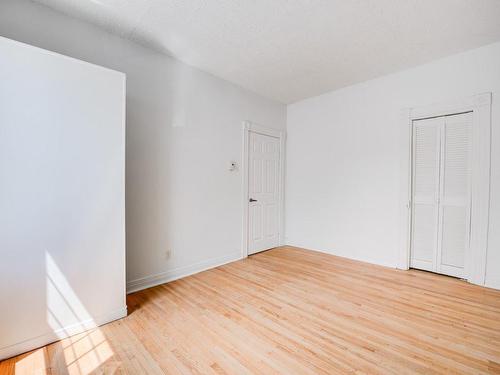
x=80, y=354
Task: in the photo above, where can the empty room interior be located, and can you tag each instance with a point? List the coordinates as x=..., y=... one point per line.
x=249, y=187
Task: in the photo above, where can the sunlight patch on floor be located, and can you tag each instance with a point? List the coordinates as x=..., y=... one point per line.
x=32, y=364
x=84, y=352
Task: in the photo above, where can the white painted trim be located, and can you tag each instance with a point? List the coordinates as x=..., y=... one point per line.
x=405, y=189
x=244, y=200
x=61, y=333
x=480, y=105
x=248, y=127
x=124, y=200
x=481, y=158
x=179, y=272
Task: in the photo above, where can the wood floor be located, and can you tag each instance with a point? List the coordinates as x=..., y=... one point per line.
x=290, y=311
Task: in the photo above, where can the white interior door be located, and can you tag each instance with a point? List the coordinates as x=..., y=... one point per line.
x=426, y=150
x=441, y=194
x=263, y=191
x=455, y=194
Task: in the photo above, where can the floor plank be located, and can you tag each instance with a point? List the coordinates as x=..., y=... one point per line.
x=289, y=311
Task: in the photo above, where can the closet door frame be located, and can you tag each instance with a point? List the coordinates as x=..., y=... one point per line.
x=480, y=106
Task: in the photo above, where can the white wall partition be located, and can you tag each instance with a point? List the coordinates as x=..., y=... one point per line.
x=62, y=196
x=344, y=157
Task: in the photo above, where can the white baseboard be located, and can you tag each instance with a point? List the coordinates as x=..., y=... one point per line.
x=61, y=333
x=180, y=272
x=360, y=259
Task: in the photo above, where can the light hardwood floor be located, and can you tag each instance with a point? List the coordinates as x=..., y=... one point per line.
x=290, y=311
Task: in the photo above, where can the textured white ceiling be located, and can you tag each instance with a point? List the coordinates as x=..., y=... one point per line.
x=293, y=49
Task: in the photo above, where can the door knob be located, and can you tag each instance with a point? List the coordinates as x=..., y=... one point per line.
x=252, y=200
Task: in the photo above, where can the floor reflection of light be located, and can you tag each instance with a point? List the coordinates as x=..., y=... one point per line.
x=86, y=352
x=79, y=354
x=33, y=363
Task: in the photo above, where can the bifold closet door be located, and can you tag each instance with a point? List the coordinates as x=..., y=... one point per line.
x=455, y=194
x=425, y=210
x=441, y=194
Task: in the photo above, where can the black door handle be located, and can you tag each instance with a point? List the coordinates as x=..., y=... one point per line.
x=252, y=200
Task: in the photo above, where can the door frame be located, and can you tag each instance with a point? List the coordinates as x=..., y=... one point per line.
x=249, y=127
x=480, y=106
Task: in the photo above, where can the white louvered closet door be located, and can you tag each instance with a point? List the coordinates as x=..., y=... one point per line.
x=441, y=194
x=425, y=210
x=455, y=194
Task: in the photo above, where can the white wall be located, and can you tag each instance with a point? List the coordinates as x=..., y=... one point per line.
x=62, y=196
x=183, y=127
x=343, y=157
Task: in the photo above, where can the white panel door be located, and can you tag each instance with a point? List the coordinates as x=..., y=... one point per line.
x=441, y=194
x=263, y=189
x=425, y=212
